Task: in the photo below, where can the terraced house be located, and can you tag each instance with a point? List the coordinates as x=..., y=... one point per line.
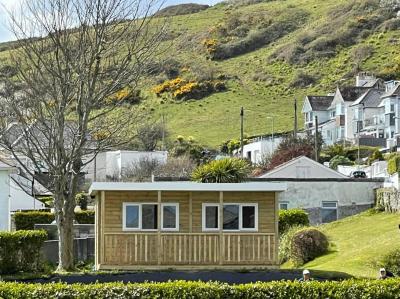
x=365, y=113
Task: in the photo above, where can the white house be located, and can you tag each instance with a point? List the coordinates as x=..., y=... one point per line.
x=5, y=171
x=256, y=150
x=323, y=193
x=303, y=167
x=113, y=164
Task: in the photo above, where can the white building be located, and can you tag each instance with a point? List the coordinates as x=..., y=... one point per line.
x=114, y=164
x=323, y=193
x=260, y=148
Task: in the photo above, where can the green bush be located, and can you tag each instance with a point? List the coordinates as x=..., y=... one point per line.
x=85, y=217
x=27, y=220
x=393, y=164
x=300, y=245
x=292, y=217
x=339, y=160
x=354, y=289
x=20, y=251
x=82, y=200
x=231, y=170
x=391, y=261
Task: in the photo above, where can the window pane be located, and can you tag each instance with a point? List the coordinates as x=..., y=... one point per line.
x=248, y=217
x=231, y=217
x=328, y=215
x=169, y=216
x=283, y=206
x=149, y=216
x=132, y=217
x=329, y=204
x=211, y=217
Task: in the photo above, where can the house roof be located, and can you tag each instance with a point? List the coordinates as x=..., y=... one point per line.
x=393, y=92
x=303, y=160
x=352, y=93
x=370, y=99
x=320, y=103
x=187, y=186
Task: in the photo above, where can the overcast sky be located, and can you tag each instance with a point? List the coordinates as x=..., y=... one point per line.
x=5, y=35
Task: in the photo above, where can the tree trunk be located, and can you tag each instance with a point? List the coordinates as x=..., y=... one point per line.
x=64, y=211
x=65, y=245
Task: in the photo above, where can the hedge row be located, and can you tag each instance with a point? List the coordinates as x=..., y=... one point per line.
x=290, y=218
x=20, y=251
x=354, y=289
x=27, y=220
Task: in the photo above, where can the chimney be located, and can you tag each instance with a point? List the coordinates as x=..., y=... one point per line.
x=363, y=78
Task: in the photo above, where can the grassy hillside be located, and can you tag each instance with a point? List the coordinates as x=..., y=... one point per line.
x=266, y=54
x=358, y=243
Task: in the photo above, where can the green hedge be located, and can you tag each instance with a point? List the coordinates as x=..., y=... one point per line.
x=292, y=217
x=85, y=217
x=354, y=289
x=393, y=164
x=27, y=220
x=20, y=251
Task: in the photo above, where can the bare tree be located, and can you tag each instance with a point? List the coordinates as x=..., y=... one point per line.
x=150, y=134
x=71, y=57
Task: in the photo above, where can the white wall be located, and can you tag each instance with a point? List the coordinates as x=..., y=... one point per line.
x=261, y=148
x=4, y=200
x=113, y=163
x=20, y=200
x=309, y=194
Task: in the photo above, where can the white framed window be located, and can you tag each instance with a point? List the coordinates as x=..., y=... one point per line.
x=210, y=217
x=139, y=216
x=170, y=216
x=329, y=211
x=236, y=217
x=283, y=205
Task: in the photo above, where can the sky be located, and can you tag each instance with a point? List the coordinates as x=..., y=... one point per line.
x=5, y=5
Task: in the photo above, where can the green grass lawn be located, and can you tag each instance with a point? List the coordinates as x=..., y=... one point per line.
x=358, y=242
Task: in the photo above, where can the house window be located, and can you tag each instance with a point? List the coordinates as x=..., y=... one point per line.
x=329, y=211
x=236, y=217
x=283, y=205
x=210, y=217
x=144, y=216
x=170, y=216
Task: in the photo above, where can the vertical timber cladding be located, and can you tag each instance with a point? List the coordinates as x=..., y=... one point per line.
x=190, y=245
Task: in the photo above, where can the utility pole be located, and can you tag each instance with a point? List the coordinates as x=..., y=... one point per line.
x=316, y=139
x=241, y=131
x=295, y=118
x=163, y=132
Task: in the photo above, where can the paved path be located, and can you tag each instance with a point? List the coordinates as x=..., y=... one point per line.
x=230, y=277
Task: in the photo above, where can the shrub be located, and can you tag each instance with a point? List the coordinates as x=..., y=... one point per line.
x=85, y=217
x=354, y=289
x=300, y=245
x=339, y=160
x=81, y=200
x=393, y=165
x=231, y=170
x=303, y=80
x=391, y=261
x=179, y=167
x=180, y=9
x=20, y=251
x=292, y=217
x=376, y=156
x=27, y=220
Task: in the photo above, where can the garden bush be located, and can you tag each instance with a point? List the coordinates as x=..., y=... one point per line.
x=27, y=220
x=230, y=170
x=300, y=245
x=85, y=217
x=391, y=261
x=393, y=164
x=339, y=160
x=292, y=217
x=354, y=289
x=20, y=251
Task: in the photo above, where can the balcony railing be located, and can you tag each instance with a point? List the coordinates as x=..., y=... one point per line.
x=136, y=249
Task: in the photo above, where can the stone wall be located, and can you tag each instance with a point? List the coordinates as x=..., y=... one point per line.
x=388, y=199
x=83, y=250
